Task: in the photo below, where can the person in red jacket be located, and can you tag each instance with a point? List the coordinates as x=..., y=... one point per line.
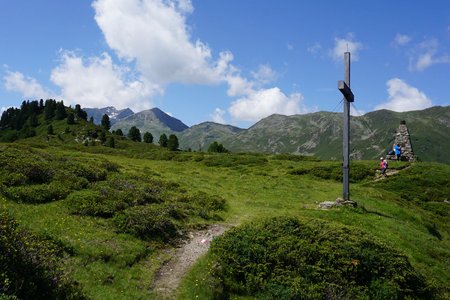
x=383, y=166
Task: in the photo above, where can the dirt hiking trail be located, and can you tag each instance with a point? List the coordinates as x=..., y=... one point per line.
x=389, y=172
x=169, y=276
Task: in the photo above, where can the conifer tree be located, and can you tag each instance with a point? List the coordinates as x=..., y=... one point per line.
x=163, y=140
x=111, y=142
x=49, y=109
x=148, y=138
x=106, y=124
x=119, y=132
x=134, y=134
x=50, y=129
x=172, y=143
x=70, y=119
x=60, y=113
x=33, y=120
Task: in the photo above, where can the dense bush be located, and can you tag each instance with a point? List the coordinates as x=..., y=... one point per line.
x=358, y=172
x=152, y=222
x=104, y=199
x=91, y=172
x=94, y=203
x=32, y=176
x=37, y=193
x=217, y=147
x=204, y=205
x=145, y=207
x=31, y=168
x=30, y=267
x=286, y=258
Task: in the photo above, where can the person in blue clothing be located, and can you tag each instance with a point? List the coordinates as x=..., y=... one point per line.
x=398, y=151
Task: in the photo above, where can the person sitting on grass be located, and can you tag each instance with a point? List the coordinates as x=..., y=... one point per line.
x=398, y=151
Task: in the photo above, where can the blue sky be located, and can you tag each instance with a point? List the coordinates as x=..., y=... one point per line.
x=228, y=61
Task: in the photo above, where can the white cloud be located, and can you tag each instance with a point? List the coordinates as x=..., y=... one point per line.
x=264, y=75
x=315, y=49
x=425, y=55
x=2, y=109
x=238, y=86
x=348, y=44
x=401, y=39
x=27, y=86
x=185, y=6
x=217, y=116
x=403, y=97
x=289, y=46
x=155, y=48
x=154, y=35
x=265, y=102
x=98, y=82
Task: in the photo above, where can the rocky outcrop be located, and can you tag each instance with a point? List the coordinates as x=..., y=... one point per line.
x=402, y=138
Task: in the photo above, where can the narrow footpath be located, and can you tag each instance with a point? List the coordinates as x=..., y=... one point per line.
x=169, y=276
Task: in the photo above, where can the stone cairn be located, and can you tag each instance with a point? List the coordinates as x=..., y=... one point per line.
x=402, y=138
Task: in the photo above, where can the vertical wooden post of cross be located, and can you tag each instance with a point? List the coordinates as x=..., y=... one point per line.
x=344, y=87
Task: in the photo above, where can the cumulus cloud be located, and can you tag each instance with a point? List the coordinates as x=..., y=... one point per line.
x=425, y=55
x=154, y=48
x=154, y=35
x=403, y=97
x=265, y=102
x=342, y=45
x=218, y=116
x=264, y=75
x=401, y=39
x=98, y=82
x=27, y=86
x=238, y=85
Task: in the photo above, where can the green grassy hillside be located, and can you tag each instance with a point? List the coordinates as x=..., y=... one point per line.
x=372, y=134
x=85, y=220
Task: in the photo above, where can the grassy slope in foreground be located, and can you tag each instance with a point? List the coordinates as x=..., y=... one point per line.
x=417, y=228
x=112, y=265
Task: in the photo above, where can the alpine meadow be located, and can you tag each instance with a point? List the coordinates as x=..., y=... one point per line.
x=89, y=213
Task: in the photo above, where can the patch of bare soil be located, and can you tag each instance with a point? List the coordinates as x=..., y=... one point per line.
x=170, y=275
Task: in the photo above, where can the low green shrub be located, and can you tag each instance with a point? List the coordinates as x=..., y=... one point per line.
x=358, y=172
x=32, y=176
x=286, y=258
x=98, y=203
x=151, y=222
x=30, y=266
x=234, y=160
x=104, y=199
x=91, y=172
x=422, y=182
x=294, y=157
x=37, y=193
x=204, y=205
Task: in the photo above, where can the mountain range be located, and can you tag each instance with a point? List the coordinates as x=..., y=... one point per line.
x=319, y=133
x=113, y=114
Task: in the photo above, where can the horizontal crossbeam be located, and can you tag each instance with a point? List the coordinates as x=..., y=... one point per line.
x=346, y=91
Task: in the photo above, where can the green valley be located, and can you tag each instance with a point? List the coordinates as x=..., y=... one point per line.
x=82, y=218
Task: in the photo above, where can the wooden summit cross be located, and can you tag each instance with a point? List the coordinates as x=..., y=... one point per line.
x=344, y=87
